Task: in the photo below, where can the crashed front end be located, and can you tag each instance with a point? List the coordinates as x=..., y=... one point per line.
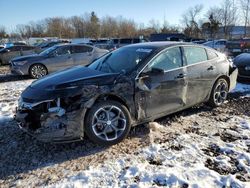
x=54, y=116
x=49, y=121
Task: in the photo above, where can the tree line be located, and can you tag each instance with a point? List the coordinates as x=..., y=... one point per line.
x=195, y=24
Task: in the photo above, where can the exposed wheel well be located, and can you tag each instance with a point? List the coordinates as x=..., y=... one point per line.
x=107, y=97
x=113, y=98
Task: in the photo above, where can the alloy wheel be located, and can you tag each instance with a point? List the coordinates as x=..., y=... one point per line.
x=220, y=92
x=109, y=123
x=38, y=71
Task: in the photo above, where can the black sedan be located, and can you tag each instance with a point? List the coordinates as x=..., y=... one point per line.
x=242, y=62
x=129, y=86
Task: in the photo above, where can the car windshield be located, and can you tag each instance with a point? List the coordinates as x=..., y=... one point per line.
x=123, y=59
x=47, y=51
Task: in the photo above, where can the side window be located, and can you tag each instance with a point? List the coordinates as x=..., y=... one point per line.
x=211, y=54
x=81, y=49
x=136, y=40
x=24, y=48
x=170, y=59
x=62, y=51
x=15, y=48
x=194, y=54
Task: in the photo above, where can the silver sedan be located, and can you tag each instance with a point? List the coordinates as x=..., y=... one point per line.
x=55, y=58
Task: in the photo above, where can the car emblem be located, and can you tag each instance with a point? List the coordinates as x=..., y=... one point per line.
x=247, y=68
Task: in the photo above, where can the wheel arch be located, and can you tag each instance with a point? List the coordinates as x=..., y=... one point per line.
x=113, y=97
x=106, y=97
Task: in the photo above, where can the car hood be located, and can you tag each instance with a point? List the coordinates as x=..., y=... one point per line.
x=32, y=57
x=242, y=60
x=67, y=82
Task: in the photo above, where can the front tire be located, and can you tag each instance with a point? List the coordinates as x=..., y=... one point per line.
x=219, y=93
x=37, y=71
x=107, y=123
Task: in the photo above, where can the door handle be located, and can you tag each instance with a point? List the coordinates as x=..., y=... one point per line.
x=210, y=68
x=181, y=76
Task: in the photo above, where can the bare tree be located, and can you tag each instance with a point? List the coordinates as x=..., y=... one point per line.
x=245, y=7
x=212, y=26
x=190, y=19
x=3, y=32
x=228, y=16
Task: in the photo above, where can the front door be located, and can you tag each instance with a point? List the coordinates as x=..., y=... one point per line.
x=163, y=83
x=60, y=59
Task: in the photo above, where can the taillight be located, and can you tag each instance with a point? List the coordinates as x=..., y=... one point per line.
x=242, y=44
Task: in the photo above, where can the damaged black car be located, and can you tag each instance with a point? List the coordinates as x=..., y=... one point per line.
x=126, y=87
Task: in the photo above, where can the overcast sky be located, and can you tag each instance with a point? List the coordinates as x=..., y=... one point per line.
x=15, y=12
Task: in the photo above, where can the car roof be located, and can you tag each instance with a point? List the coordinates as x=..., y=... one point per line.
x=70, y=44
x=160, y=44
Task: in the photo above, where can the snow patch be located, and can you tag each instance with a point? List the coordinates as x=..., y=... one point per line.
x=9, y=95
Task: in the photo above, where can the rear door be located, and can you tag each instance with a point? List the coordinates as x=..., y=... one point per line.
x=164, y=92
x=60, y=59
x=82, y=55
x=200, y=74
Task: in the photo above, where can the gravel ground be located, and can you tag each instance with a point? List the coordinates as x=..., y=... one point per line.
x=25, y=160
x=4, y=69
x=7, y=76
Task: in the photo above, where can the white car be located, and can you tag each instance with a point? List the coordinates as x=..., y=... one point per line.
x=219, y=45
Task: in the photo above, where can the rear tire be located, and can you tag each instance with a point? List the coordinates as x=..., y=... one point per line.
x=37, y=71
x=219, y=93
x=107, y=123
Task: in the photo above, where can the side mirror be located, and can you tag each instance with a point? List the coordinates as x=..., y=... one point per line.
x=152, y=72
x=155, y=70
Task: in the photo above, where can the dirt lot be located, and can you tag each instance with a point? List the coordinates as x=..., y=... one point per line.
x=23, y=159
x=193, y=147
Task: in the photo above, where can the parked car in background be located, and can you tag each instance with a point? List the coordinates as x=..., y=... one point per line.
x=126, y=87
x=238, y=46
x=1, y=47
x=219, y=45
x=55, y=58
x=6, y=54
x=242, y=62
x=45, y=45
x=126, y=41
x=107, y=44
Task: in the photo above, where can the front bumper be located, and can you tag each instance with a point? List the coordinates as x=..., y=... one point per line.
x=18, y=69
x=54, y=125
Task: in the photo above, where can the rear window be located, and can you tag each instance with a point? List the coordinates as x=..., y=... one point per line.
x=194, y=54
x=211, y=54
x=27, y=48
